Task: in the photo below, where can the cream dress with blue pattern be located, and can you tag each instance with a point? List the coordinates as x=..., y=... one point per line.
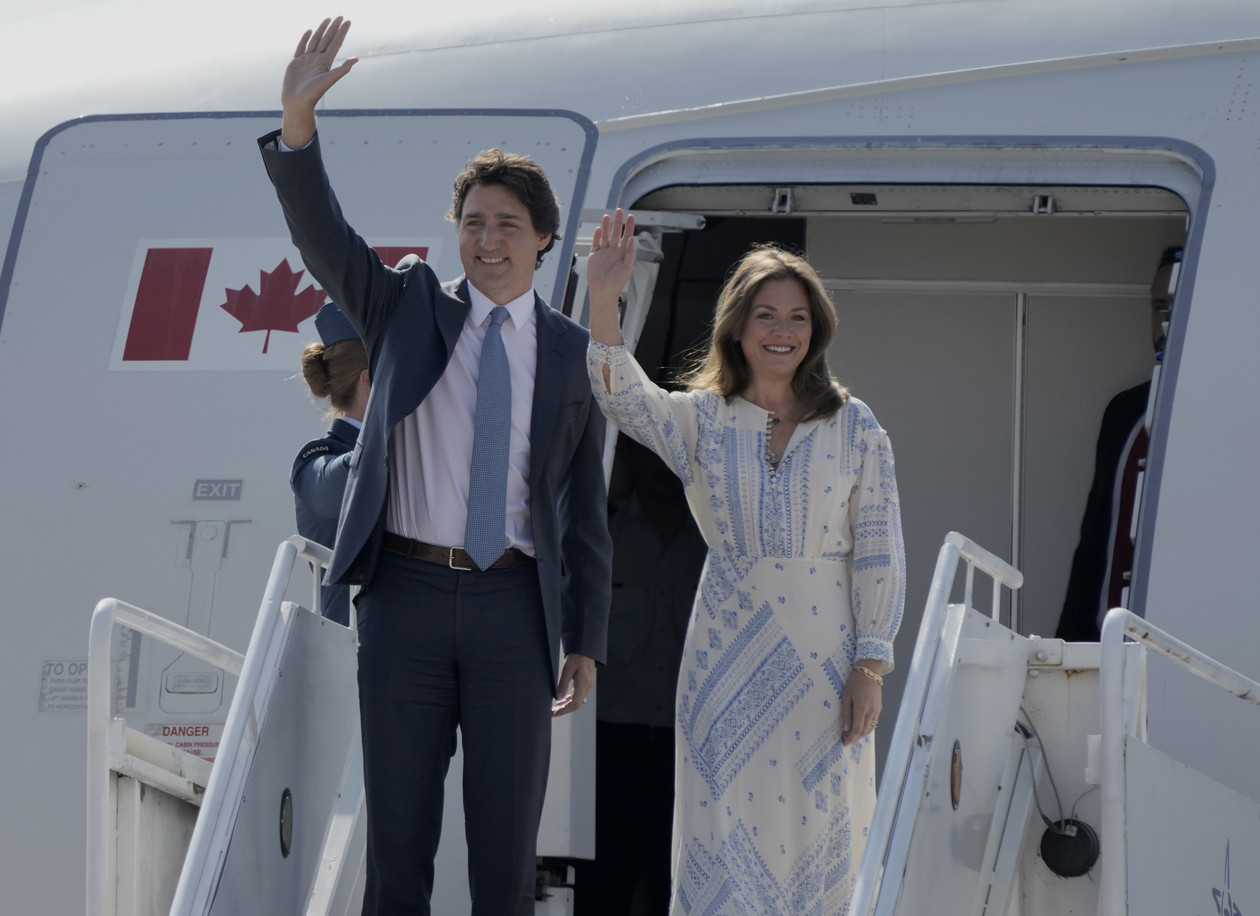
x=805, y=574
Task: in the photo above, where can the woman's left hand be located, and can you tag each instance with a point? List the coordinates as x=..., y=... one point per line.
x=860, y=705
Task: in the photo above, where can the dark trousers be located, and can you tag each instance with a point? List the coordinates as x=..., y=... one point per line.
x=634, y=813
x=439, y=650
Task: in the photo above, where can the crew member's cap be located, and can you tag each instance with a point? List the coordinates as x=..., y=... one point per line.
x=333, y=326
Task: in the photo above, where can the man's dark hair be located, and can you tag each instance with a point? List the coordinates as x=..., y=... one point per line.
x=523, y=177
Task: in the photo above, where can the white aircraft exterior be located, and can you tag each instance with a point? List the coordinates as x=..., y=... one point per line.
x=984, y=185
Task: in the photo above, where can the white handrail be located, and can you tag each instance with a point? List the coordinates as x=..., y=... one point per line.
x=901, y=747
x=320, y=556
x=1118, y=624
x=193, y=891
x=997, y=569
x=111, y=612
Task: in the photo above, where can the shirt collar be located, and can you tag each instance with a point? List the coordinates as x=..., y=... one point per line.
x=519, y=308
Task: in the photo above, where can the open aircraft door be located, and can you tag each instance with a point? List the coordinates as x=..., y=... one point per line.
x=152, y=316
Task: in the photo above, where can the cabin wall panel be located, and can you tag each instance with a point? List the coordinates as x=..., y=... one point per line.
x=1080, y=353
x=1021, y=250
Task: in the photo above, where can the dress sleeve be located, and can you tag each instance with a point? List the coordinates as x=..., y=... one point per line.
x=664, y=421
x=879, y=559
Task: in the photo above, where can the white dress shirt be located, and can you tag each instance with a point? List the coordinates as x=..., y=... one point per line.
x=430, y=451
x=438, y=435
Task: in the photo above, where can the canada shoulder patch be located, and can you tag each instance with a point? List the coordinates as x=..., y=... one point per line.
x=312, y=450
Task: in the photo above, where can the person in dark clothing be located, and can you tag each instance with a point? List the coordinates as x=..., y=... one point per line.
x=336, y=368
x=1102, y=565
x=658, y=553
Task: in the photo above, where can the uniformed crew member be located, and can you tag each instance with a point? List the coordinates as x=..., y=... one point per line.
x=335, y=368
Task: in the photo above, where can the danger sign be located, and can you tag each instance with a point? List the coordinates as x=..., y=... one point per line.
x=201, y=739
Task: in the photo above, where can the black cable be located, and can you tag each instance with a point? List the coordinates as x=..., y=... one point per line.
x=1026, y=734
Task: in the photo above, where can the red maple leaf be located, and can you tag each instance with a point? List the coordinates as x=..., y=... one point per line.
x=277, y=307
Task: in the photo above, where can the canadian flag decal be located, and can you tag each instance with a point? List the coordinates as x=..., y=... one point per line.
x=225, y=304
x=277, y=307
x=165, y=311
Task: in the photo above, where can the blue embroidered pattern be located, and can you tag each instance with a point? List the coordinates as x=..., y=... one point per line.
x=805, y=575
x=834, y=676
x=822, y=757
x=746, y=694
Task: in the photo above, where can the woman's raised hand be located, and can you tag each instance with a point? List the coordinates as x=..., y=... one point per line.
x=611, y=261
x=608, y=269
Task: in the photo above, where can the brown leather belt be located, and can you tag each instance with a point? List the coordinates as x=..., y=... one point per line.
x=454, y=557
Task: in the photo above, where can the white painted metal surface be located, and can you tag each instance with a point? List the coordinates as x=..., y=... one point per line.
x=916, y=752
x=107, y=740
x=1168, y=833
x=1158, y=814
x=292, y=735
x=293, y=727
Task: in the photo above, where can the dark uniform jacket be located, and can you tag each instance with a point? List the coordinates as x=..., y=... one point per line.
x=318, y=480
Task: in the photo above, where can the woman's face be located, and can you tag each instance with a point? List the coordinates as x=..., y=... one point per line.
x=776, y=334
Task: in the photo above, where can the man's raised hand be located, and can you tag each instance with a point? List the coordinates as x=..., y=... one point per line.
x=309, y=75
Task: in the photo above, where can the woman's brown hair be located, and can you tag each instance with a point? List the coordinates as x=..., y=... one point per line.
x=333, y=372
x=723, y=368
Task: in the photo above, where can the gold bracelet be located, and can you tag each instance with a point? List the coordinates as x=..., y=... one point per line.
x=877, y=678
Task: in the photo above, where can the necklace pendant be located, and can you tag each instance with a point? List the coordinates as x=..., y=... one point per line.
x=772, y=454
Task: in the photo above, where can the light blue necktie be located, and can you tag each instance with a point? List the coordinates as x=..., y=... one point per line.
x=486, y=529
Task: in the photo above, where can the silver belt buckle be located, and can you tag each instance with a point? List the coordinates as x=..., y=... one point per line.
x=450, y=561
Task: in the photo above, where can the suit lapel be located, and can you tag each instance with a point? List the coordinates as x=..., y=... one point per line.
x=450, y=321
x=548, y=381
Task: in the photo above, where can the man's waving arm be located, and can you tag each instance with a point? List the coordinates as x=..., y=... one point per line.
x=309, y=75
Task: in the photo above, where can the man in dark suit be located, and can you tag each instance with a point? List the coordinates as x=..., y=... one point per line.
x=1102, y=566
x=451, y=638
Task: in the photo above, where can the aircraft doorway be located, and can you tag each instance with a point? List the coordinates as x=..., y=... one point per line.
x=987, y=327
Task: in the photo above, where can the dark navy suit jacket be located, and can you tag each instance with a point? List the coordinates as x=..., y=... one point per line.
x=1088, y=588
x=409, y=322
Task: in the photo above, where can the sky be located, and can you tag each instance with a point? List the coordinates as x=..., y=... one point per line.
x=62, y=43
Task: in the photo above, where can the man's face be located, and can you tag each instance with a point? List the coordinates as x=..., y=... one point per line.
x=1161, y=305
x=498, y=244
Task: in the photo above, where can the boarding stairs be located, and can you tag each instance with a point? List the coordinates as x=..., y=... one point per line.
x=1019, y=779
x=1020, y=782
x=275, y=825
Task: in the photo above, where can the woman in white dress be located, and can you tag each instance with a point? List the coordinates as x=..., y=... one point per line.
x=791, y=482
